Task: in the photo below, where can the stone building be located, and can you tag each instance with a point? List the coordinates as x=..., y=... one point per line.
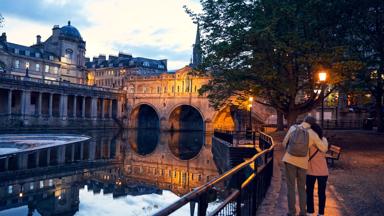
x=60, y=57
x=116, y=70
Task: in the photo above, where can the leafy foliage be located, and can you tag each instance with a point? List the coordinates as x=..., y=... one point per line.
x=272, y=49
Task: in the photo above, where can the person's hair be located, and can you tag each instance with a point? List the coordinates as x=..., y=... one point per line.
x=310, y=119
x=315, y=127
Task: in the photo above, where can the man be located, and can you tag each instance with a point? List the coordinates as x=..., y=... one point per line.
x=296, y=166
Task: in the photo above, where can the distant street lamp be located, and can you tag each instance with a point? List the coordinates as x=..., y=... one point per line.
x=322, y=79
x=250, y=112
x=26, y=69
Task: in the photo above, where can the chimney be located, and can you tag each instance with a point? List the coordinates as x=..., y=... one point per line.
x=55, y=29
x=38, y=39
x=101, y=58
x=3, y=37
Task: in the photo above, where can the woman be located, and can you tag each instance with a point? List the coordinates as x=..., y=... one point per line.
x=317, y=170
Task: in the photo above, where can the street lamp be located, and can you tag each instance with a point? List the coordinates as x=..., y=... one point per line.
x=26, y=69
x=250, y=112
x=322, y=79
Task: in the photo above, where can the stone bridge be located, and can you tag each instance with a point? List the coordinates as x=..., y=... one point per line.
x=171, y=102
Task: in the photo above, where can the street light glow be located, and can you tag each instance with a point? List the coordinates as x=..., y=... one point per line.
x=250, y=99
x=322, y=76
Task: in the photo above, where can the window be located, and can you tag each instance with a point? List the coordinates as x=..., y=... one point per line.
x=68, y=54
x=37, y=55
x=10, y=189
x=178, y=89
x=50, y=182
x=50, y=58
x=158, y=89
x=16, y=51
x=131, y=89
x=144, y=89
x=17, y=64
x=160, y=66
x=146, y=64
x=55, y=70
x=31, y=186
x=27, y=53
x=41, y=184
x=46, y=68
x=37, y=67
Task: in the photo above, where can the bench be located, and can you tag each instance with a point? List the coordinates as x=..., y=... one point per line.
x=333, y=154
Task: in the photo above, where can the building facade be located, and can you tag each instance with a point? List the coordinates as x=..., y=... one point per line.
x=60, y=58
x=115, y=71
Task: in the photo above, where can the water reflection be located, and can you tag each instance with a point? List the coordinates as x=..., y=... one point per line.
x=115, y=173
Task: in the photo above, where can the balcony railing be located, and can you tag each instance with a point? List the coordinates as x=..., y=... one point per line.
x=12, y=77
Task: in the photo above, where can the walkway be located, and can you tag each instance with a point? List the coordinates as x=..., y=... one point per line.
x=275, y=203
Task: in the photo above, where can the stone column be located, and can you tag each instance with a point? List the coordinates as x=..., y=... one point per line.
x=94, y=109
x=63, y=106
x=22, y=161
x=10, y=102
x=119, y=104
x=102, y=108
x=61, y=154
x=50, y=105
x=48, y=156
x=74, y=106
x=39, y=104
x=110, y=109
x=25, y=102
x=92, y=150
x=6, y=164
x=37, y=158
x=83, y=108
x=73, y=152
x=81, y=150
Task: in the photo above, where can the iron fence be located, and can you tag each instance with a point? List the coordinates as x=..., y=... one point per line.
x=249, y=182
x=236, y=138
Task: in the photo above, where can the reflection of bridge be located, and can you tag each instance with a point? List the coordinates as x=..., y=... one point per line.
x=108, y=162
x=171, y=101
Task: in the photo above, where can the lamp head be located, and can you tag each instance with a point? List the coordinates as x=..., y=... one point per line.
x=322, y=76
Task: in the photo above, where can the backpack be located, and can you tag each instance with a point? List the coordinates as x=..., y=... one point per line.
x=298, y=142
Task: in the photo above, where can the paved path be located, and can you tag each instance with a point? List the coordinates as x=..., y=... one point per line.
x=275, y=203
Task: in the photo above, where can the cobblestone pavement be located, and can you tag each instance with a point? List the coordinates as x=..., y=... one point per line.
x=275, y=203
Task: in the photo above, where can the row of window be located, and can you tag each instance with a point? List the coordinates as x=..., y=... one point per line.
x=28, y=53
x=32, y=186
x=55, y=69
x=108, y=73
x=109, y=82
x=159, y=89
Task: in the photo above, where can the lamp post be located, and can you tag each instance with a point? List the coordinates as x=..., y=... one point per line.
x=250, y=112
x=27, y=69
x=322, y=79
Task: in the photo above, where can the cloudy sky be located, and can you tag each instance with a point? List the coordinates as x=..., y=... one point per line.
x=158, y=29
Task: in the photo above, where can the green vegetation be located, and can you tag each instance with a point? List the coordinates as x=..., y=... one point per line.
x=273, y=50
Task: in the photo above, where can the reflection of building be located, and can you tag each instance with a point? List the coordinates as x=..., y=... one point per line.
x=116, y=71
x=60, y=57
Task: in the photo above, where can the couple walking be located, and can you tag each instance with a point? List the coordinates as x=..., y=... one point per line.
x=305, y=162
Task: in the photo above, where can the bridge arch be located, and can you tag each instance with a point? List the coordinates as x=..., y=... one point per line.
x=144, y=116
x=184, y=117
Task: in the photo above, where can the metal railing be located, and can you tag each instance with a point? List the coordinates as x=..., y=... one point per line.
x=243, y=196
x=237, y=138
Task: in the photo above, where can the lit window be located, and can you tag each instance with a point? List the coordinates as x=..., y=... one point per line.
x=10, y=189
x=50, y=182
x=55, y=70
x=37, y=55
x=17, y=64
x=68, y=54
x=16, y=51
x=27, y=53
x=144, y=89
x=50, y=58
x=46, y=68
x=41, y=184
x=37, y=67
x=146, y=64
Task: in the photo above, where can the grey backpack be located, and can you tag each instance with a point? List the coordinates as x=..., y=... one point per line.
x=298, y=142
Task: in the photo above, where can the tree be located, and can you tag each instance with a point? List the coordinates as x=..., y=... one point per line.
x=1, y=20
x=364, y=33
x=272, y=50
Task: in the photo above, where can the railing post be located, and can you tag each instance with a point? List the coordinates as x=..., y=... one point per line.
x=254, y=191
x=238, y=200
x=202, y=205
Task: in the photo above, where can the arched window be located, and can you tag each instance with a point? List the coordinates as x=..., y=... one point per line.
x=68, y=54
